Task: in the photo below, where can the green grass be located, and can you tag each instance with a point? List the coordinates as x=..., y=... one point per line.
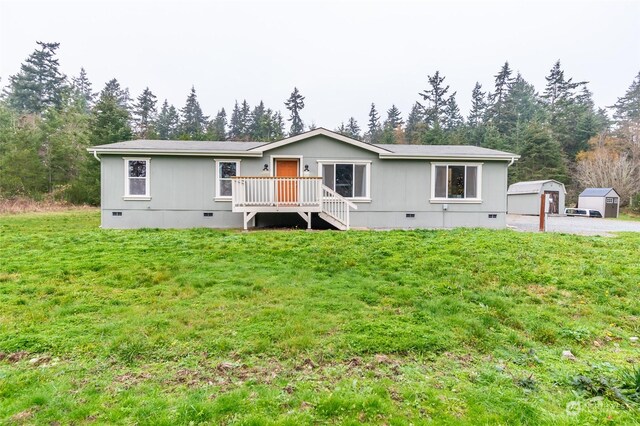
x=295, y=327
x=628, y=216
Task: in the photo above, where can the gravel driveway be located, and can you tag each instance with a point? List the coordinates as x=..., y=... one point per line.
x=573, y=225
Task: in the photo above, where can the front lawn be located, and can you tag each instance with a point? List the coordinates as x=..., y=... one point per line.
x=295, y=327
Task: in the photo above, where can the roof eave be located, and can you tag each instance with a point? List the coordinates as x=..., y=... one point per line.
x=450, y=157
x=189, y=153
x=317, y=132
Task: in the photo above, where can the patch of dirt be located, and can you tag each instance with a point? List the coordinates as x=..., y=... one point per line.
x=40, y=360
x=22, y=416
x=128, y=380
x=16, y=356
x=26, y=205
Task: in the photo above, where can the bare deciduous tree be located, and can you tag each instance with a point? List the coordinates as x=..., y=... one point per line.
x=605, y=167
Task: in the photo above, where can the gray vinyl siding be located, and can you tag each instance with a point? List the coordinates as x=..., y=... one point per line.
x=182, y=188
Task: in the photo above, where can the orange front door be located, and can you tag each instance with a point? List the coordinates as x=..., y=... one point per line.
x=287, y=189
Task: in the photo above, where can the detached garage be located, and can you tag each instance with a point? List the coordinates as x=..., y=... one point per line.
x=524, y=197
x=605, y=200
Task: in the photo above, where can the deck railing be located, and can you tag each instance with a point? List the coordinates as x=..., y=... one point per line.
x=304, y=195
x=336, y=206
x=272, y=191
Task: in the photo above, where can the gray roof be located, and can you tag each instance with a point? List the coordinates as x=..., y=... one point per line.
x=254, y=149
x=146, y=145
x=596, y=192
x=530, y=187
x=442, y=150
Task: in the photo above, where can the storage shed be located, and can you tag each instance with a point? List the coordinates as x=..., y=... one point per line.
x=605, y=200
x=524, y=197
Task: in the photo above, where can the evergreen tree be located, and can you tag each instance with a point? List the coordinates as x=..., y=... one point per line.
x=373, y=134
x=218, y=128
x=415, y=124
x=277, y=126
x=435, y=97
x=453, y=118
x=352, y=129
x=478, y=106
x=627, y=108
x=113, y=89
x=245, y=121
x=144, y=114
x=497, y=100
x=39, y=84
x=110, y=120
x=168, y=122
x=260, y=123
x=394, y=118
x=81, y=87
x=571, y=114
x=295, y=104
x=236, y=126
x=66, y=135
x=194, y=122
x=521, y=106
x=541, y=156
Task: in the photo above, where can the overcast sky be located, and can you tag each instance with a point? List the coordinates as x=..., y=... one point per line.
x=342, y=55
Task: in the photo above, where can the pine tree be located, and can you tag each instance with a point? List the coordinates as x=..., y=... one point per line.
x=81, y=87
x=373, y=134
x=168, y=122
x=260, y=123
x=541, y=156
x=394, y=118
x=235, y=126
x=110, y=119
x=194, y=122
x=352, y=129
x=478, y=106
x=435, y=97
x=521, y=106
x=218, y=128
x=571, y=114
x=415, y=124
x=39, y=84
x=113, y=89
x=452, y=117
x=66, y=135
x=627, y=108
x=295, y=104
x=497, y=105
x=277, y=126
x=144, y=114
x=245, y=121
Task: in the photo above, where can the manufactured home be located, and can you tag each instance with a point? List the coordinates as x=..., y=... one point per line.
x=524, y=197
x=318, y=176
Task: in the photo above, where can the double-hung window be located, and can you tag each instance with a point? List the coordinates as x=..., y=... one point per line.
x=225, y=170
x=456, y=182
x=136, y=182
x=351, y=180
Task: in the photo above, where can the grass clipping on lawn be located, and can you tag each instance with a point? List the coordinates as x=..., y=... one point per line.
x=290, y=327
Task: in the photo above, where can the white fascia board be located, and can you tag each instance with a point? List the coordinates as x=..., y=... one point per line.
x=449, y=157
x=317, y=132
x=175, y=152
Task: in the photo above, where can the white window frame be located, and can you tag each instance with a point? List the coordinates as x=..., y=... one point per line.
x=133, y=197
x=219, y=197
x=367, y=173
x=442, y=200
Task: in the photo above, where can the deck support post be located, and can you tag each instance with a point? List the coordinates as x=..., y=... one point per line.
x=307, y=217
x=247, y=216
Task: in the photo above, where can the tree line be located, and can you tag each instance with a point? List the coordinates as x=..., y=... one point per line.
x=47, y=120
